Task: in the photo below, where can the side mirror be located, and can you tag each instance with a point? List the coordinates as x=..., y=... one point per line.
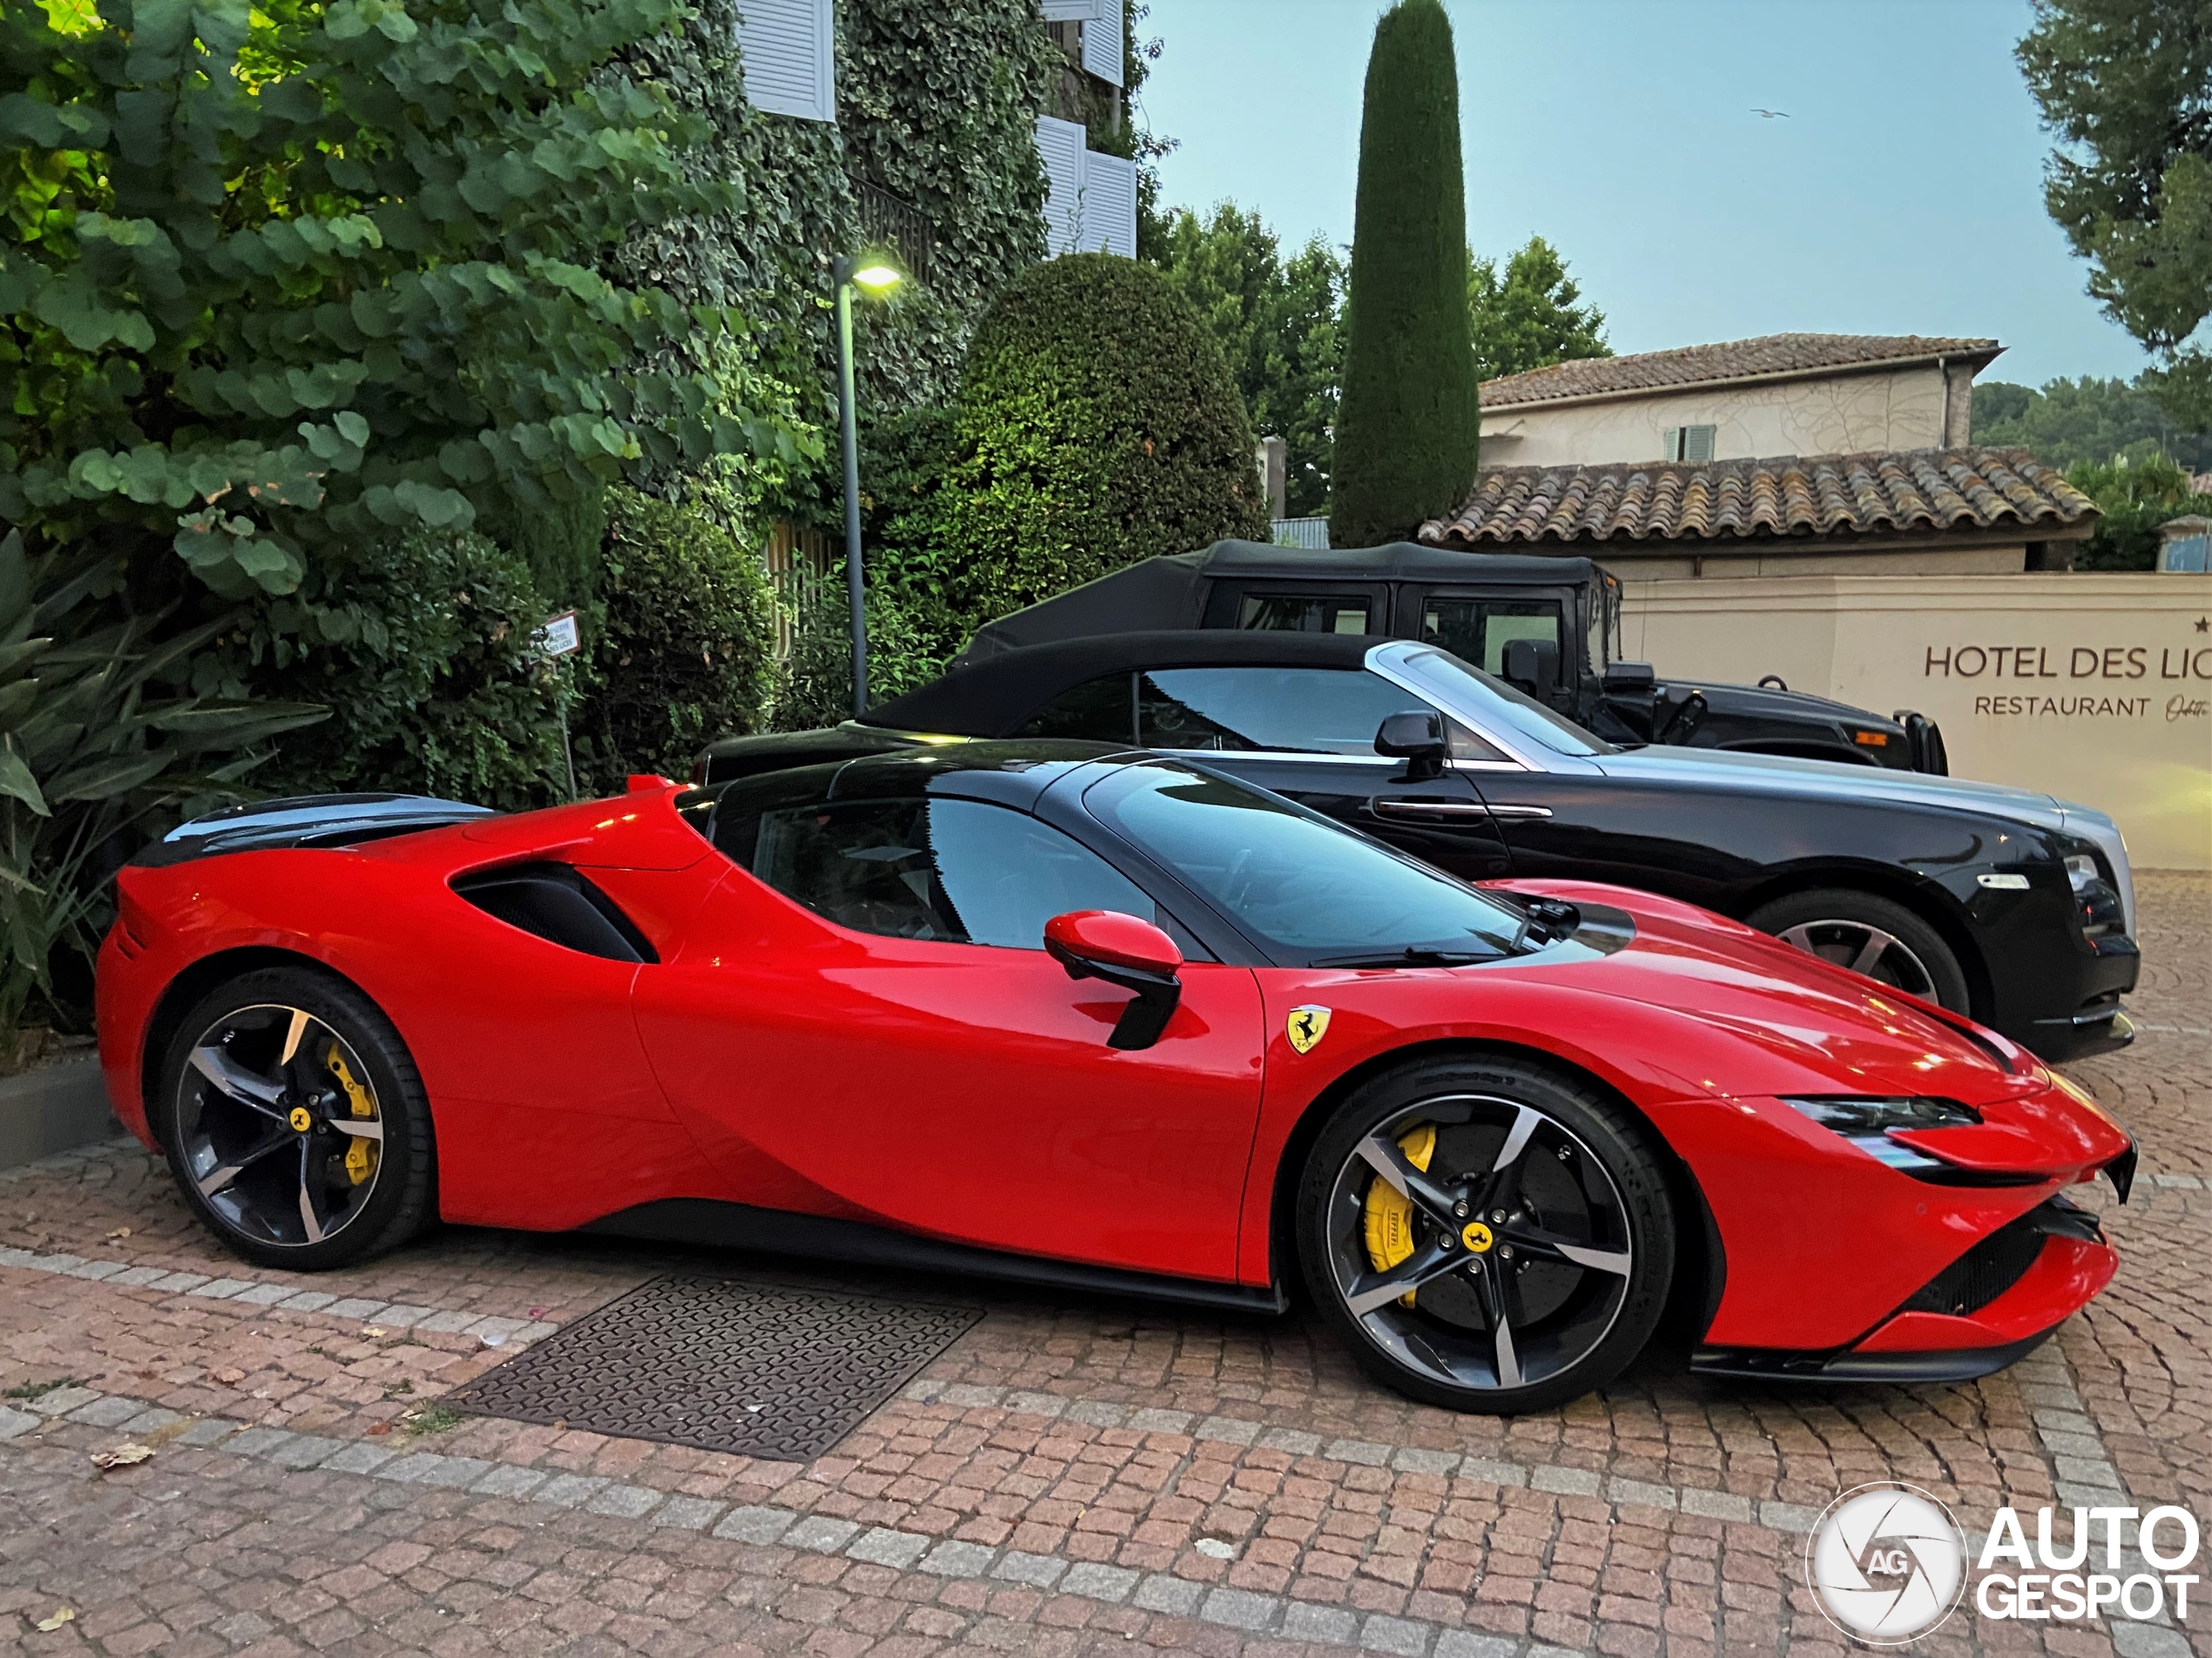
x=1533, y=664
x=1417, y=737
x=1128, y=953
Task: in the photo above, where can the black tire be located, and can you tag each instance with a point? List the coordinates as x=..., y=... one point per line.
x=1585, y=1172
x=252, y=1060
x=1841, y=925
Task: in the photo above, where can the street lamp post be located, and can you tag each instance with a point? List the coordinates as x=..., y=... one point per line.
x=877, y=276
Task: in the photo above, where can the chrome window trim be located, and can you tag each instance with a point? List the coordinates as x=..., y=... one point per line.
x=1301, y=755
x=1520, y=753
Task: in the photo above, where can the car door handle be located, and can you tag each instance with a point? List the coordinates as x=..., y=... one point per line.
x=1418, y=808
x=1497, y=811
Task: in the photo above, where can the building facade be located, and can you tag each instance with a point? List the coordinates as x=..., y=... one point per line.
x=789, y=50
x=1788, y=394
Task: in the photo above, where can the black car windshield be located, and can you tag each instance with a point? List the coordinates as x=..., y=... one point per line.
x=1305, y=889
x=1491, y=703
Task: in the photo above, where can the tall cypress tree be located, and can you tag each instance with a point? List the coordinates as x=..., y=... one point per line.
x=1407, y=423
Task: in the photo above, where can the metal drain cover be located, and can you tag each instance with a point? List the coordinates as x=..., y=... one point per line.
x=782, y=1374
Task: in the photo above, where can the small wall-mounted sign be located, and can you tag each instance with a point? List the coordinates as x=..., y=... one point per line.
x=558, y=636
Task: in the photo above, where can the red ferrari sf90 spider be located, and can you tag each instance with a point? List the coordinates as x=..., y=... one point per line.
x=1104, y=1021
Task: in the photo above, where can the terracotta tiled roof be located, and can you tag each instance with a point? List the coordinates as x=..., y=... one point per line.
x=1771, y=354
x=1819, y=494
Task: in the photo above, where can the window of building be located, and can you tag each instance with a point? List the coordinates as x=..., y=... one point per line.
x=1688, y=444
x=787, y=53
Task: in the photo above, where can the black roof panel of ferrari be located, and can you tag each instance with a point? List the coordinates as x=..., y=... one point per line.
x=989, y=699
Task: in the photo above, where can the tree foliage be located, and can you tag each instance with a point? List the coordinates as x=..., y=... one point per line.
x=1277, y=320
x=287, y=278
x=1528, y=318
x=1408, y=421
x=2134, y=498
x=2127, y=87
x=2068, y=421
x=96, y=747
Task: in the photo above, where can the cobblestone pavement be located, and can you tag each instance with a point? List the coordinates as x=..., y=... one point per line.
x=1073, y=1475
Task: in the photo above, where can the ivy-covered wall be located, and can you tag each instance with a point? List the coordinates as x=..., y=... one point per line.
x=937, y=103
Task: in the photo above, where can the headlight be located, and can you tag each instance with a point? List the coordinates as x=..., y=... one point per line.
x=2096, y=902
x=1866, y=1123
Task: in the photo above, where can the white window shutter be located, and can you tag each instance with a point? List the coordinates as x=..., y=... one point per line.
x=1060, y=145
x=1697, y=442
x=1670, y=444
x=1102, y=43
x=1072, y=11
x=789, y=53
x=1110, y=204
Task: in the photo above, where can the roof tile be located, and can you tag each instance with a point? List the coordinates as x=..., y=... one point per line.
x=1785, y=496
x=1772, y=354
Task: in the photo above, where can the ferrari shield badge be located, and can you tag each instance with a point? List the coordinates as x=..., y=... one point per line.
x=1308, y=1026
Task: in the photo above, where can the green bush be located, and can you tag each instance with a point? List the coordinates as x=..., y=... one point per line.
x=1407, y=421
x=2134, y=498
x=906, y=648
x=1097, y=425
x=680, y=645
x=437, y=690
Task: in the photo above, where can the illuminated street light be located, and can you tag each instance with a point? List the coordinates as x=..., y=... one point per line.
x=877, y=276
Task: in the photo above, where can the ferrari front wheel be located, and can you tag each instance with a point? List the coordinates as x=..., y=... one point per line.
x=294, y=1123
x=1486, y=1234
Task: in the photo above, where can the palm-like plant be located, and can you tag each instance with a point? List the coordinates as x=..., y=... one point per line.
x=96, y=755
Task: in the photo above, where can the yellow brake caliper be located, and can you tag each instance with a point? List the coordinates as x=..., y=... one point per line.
x=360, y=1153
x=1390, y=1217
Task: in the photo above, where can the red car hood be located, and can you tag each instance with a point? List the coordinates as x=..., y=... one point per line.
x=1824, y=1027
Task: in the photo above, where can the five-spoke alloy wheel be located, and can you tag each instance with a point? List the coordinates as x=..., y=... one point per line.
x=1487, y=1235
x=294, y=1122
x=1871, y=935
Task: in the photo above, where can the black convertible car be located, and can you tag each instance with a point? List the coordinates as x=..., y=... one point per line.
x=2010, y=905
x=1549, y=623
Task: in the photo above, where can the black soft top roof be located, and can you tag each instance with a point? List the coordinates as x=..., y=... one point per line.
x=1170, y=591
x=989, y=699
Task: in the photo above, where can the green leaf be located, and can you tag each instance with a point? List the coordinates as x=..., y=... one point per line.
x=118, y=774
x=16, y=782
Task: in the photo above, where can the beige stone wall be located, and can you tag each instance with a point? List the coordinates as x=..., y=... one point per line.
x=1829, y=414
x=2095, y=688
x=1655, y=561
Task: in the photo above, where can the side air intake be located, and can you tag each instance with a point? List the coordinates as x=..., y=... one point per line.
x=558, y=904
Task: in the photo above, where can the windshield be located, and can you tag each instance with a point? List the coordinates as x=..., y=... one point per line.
x=1297, y=883
x=1491, y=702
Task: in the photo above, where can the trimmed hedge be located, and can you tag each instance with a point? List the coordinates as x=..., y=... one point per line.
x=1408, y=421
x=437, y=691
x=681, y=647
x=1097, y=425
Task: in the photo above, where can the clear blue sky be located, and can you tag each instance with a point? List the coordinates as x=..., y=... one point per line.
x=1903, y=194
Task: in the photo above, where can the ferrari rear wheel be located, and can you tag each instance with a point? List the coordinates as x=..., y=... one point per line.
x=1487, y=1235
x=294, y=1123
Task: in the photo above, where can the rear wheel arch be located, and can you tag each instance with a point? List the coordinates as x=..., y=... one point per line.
x=1931, y=903
x=1701, y=1267
x=183, y=991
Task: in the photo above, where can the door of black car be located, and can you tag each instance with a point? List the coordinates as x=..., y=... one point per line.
x=1310, y=733
x=1306, y=733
